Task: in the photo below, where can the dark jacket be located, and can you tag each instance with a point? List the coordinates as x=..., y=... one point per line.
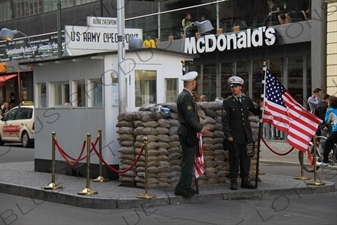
x=187, y=114
x=235, y=122
x=320, y=109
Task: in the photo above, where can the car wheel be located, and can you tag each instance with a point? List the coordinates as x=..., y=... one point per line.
x=25, y=140
x=1, y=142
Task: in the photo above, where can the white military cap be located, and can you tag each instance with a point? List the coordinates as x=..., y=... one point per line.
x=190, y=76
x=235, y=80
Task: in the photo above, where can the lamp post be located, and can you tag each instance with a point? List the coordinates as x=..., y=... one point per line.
x=59, y=37
x=121, y=54
x=8, y=35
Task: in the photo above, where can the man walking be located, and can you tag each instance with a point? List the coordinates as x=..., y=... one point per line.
x=314, y=99
x=237, y=132
x=187, y=131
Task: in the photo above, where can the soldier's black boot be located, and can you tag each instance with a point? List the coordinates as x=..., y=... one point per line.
x=245, y=183
x=234, y=184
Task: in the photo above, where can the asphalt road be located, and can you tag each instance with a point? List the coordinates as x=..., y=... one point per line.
x=317, y=209
x=16, y=153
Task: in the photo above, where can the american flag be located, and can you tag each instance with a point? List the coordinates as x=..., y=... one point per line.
x=286, y=114
x=199, y=164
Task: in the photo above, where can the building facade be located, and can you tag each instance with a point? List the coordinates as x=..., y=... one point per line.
x=332, y=47
x=301, y=57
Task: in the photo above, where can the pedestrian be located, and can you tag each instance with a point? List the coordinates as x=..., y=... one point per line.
x=238, y=132
x=186, y=23
x=330, y=117
x=314, y=99
x=187, y=131
x=4, y=109
x=320, y=112
x=273, y=10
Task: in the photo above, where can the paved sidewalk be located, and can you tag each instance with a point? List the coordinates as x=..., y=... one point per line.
x=21, y=179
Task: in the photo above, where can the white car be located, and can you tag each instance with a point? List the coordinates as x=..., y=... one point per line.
x=18, y=125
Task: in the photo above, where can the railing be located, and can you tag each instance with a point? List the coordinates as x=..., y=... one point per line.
x=225, y=16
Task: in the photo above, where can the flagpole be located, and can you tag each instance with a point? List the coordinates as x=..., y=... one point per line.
x=260, y=130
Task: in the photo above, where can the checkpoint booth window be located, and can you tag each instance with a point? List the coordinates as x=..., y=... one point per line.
x=41, y=95
x=94, y=92
x=145, y=87
x=77, y=96
x=171, y=86
x=60, y=94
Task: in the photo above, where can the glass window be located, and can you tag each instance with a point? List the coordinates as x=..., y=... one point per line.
x=61, y=94
x=49, y=5
x=145, y=86
x=24, y=114
x=295, y=78
x=206, y=87
x=5, y=11
x=226, y=72
x=258, y=76
x=94, y=92
x=77, y=97
x=11, y=114
x=41, y=95
x=171, y=90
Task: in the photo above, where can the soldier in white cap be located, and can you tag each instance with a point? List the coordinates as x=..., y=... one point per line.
x=187, y=131
x=237, y=132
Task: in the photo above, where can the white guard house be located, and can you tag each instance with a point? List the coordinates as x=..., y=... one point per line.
x=77, y=95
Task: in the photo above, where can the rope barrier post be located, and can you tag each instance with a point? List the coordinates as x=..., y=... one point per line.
x=302, y=177
x=52, y=185
x=87, y=190
x=146, y=195
x=100, y=178
x=316, y=183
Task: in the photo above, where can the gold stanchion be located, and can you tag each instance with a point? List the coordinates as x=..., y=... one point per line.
x=302, y=177
x=146, y=195
x=100, y=178
x=87, y=190
x=317, y=183
x=52, y=185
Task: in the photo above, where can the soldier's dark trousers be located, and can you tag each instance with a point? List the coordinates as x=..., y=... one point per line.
x=237, y=158
x=188, y=154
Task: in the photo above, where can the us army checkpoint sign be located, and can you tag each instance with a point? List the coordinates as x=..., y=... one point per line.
x=96, y=39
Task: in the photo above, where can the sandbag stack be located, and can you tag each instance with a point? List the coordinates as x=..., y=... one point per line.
x=164, y=151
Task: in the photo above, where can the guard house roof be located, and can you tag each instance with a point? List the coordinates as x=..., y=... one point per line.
x=184, y=56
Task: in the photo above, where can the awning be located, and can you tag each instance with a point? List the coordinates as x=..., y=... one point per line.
x=4, y=78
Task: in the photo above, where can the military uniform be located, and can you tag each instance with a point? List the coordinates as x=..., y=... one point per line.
x=236, y=124
x=189, y=125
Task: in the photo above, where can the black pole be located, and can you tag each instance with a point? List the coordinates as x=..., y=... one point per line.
x=59, y=35
x=101, y=8
x=259, y=135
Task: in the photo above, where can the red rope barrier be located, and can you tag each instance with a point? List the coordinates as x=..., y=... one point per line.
x=66, y=156
x=113, y=169
x=277, y=153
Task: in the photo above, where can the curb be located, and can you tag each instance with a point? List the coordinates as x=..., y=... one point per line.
x=165, y=197
x=280, y=163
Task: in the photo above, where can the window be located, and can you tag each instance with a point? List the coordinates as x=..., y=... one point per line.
x=171, y=90
x=11, y=114
x=5, y=11
x=41, y=95
x=78, y=94
x=94, y=92
x=145, y=85
x=61, y=94
x=24, y=114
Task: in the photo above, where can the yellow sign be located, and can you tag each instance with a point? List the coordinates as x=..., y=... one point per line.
x=27, y=103
x=3, y=68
